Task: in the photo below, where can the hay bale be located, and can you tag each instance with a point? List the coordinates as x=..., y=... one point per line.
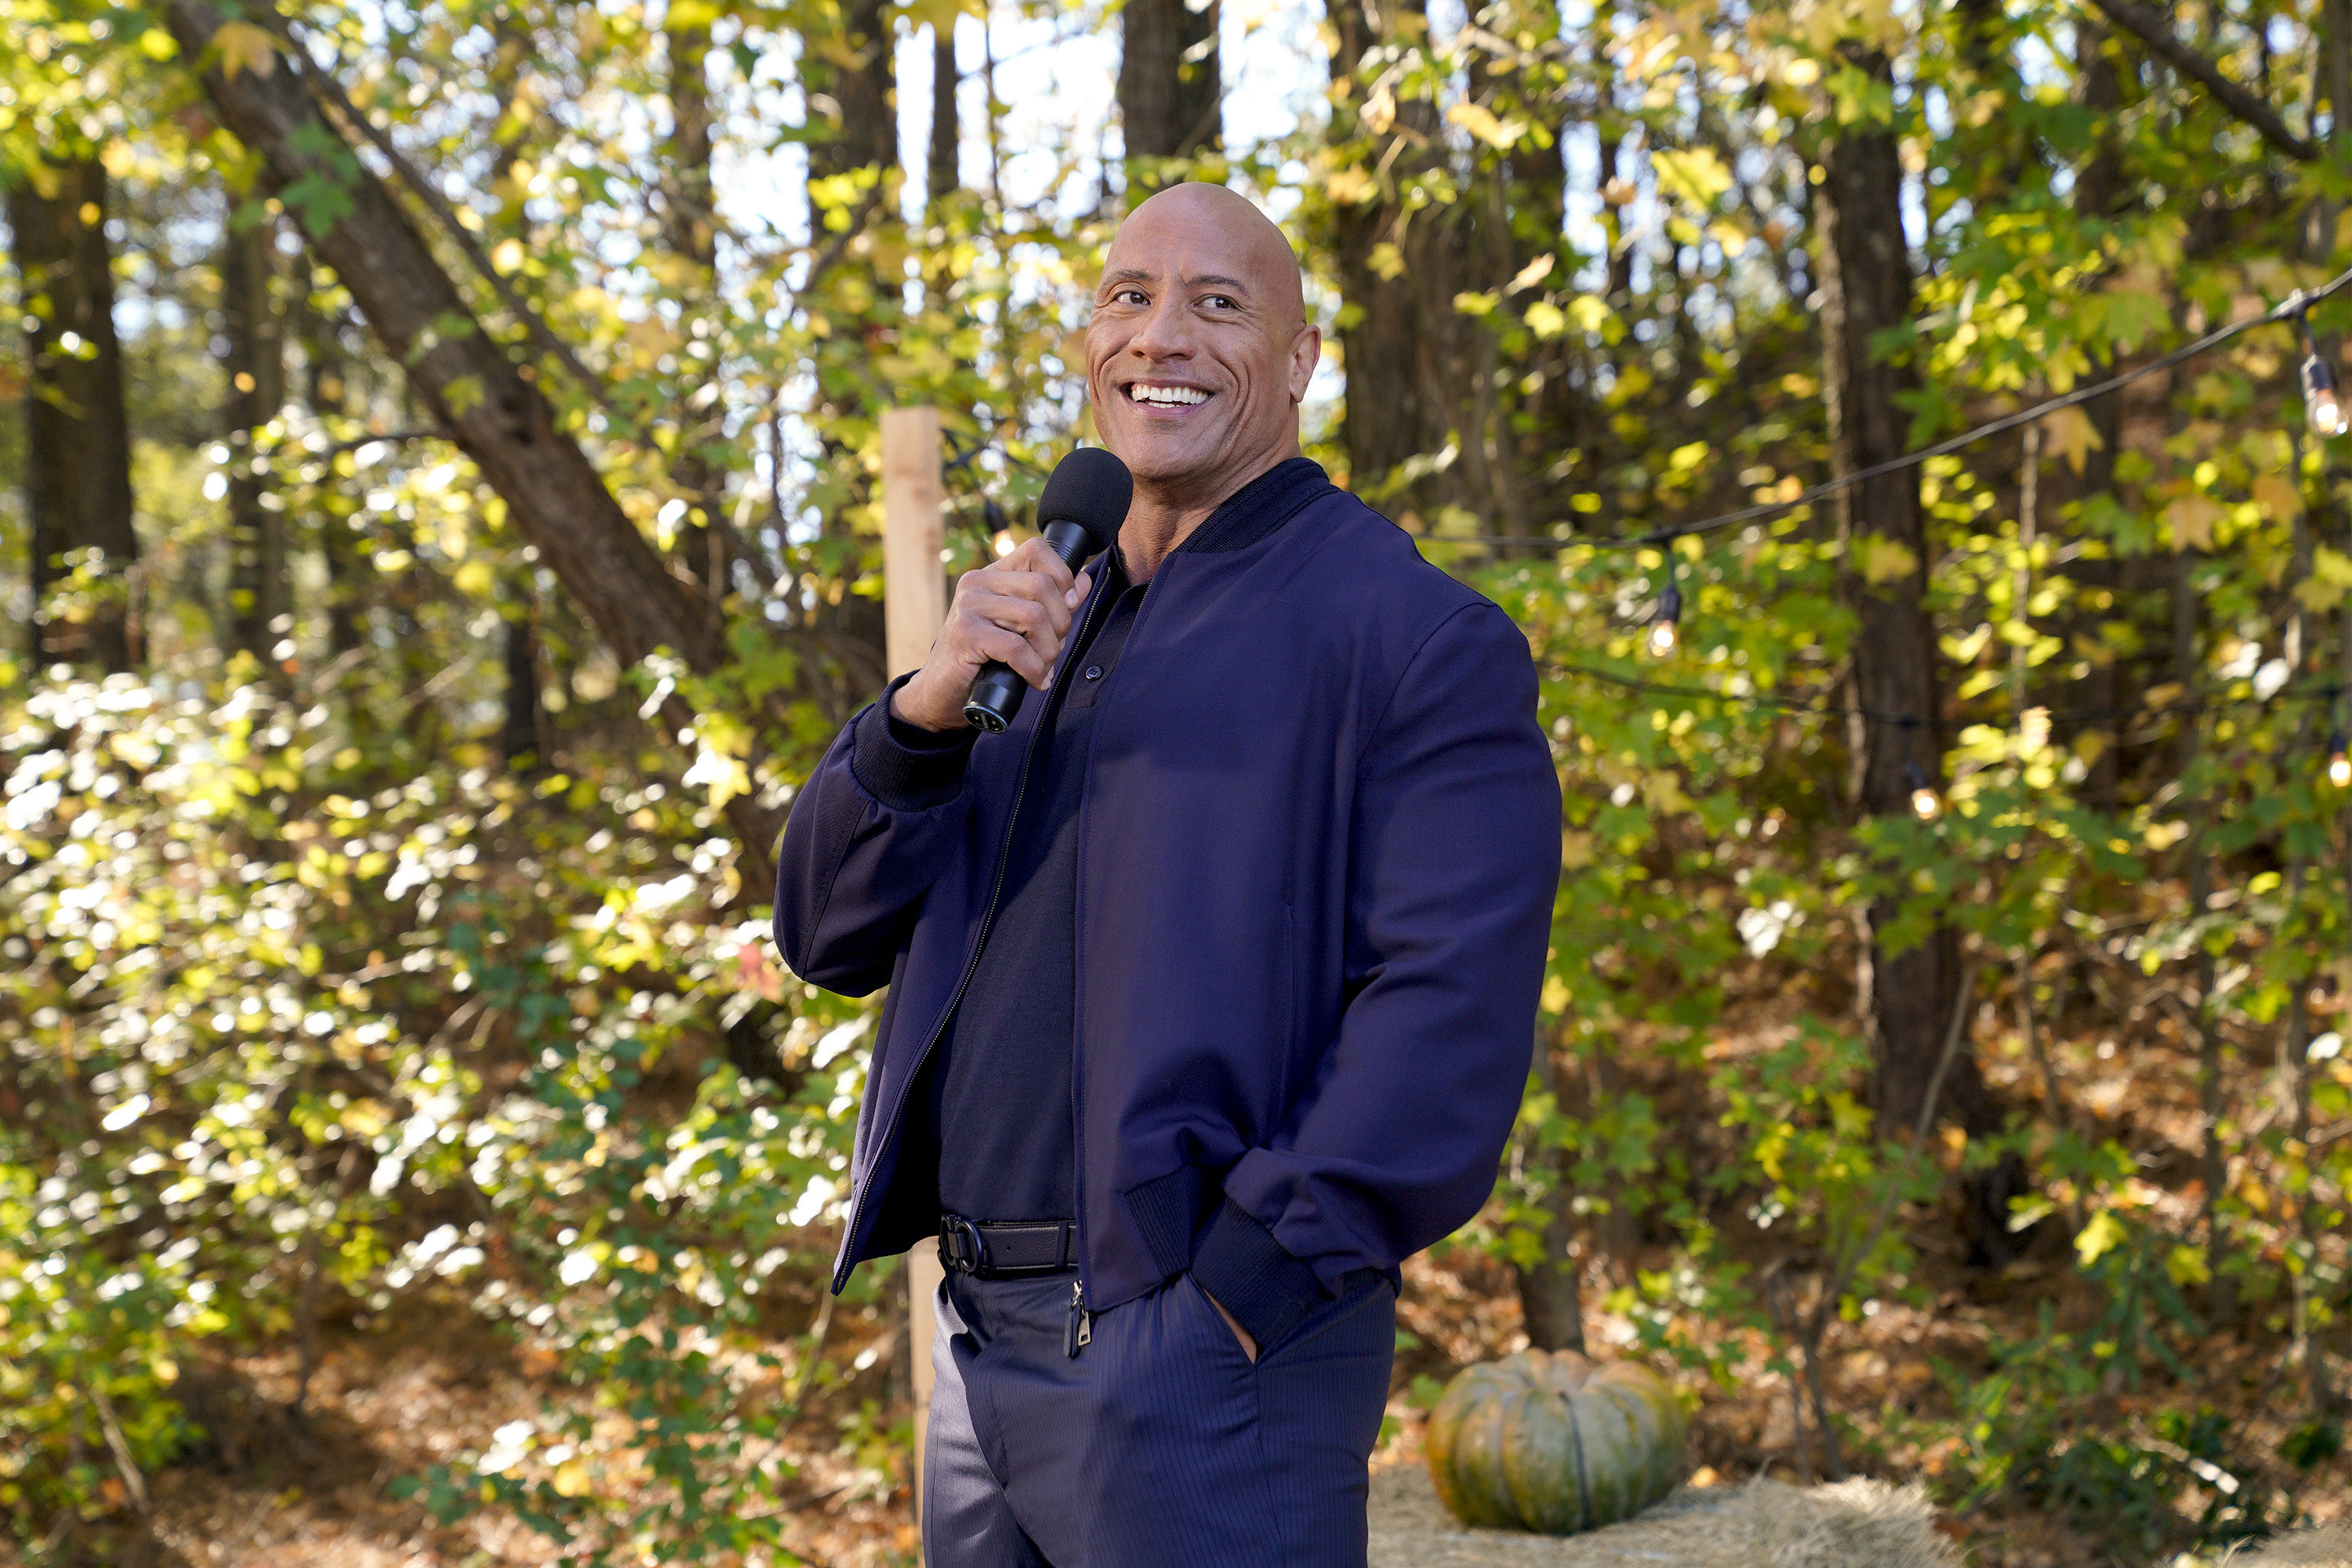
x=1765, y=1524
x=2329, y=1546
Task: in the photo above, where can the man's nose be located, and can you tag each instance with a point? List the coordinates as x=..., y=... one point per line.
x=1162, y=335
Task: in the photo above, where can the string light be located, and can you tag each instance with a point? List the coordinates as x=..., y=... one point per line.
x=1926, y=803
x=1663, y=634
x=2322, y=404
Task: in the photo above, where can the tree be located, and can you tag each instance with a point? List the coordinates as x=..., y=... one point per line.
x=1170, y=95
x=944, y=175
x=254, y=360
x=1896, y=705
x=495, y=413
x=78, y=472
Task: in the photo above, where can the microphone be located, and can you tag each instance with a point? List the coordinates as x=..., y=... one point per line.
x=1085, y=500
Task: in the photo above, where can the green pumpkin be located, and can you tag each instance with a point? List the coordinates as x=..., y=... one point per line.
x=1554, y=1443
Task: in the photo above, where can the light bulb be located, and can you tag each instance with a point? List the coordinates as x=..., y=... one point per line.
x=1662, y=634
x=2320, y=403
x=1926, y=803
x=2339, y=767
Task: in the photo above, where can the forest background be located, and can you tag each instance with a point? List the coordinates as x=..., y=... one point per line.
x=440, y=526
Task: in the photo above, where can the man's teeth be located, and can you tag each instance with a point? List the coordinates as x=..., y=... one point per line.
x=1142, y=393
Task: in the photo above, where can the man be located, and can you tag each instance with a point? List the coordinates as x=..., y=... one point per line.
x=1212, y=979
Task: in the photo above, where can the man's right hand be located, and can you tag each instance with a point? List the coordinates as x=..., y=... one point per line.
x=1015, y=613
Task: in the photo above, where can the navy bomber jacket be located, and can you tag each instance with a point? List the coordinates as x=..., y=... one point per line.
x=1318, y=847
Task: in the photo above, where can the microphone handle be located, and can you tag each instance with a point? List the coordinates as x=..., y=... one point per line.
x=996, y=694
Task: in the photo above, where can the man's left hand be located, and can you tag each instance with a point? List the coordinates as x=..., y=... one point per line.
x=1249, y=1345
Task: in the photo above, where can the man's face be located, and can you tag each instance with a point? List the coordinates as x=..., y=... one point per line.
x=1197, y=355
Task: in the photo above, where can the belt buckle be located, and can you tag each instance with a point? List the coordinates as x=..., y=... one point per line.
x=961, y=1247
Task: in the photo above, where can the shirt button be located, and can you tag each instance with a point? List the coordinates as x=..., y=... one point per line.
x=1094, y=672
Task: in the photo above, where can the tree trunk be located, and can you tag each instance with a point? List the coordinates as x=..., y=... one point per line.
x=1549, y=1307
x=1401, y=270
x=945, y=175
x=254, y=360
x=521, y=739
x=686, y=189
x=689, y=229
x=490, y=406
x=78, y=446
x=348, y=574
x=850, y=72
x=852, y=75
x=1865, y=273
x=2098, y=187
x=1170, y=91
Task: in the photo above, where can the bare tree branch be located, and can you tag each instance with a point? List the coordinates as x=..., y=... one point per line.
x=2155, y=29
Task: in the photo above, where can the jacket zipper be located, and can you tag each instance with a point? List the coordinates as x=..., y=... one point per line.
x=1081, y=1329
x=889, y=1132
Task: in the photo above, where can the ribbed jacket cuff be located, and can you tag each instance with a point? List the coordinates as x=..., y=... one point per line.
x=904, y=767
x=1237, y=1261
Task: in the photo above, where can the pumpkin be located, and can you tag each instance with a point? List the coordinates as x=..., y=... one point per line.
x=1554, y=1443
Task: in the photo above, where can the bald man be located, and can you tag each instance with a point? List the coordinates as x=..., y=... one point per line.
x=1212, y=979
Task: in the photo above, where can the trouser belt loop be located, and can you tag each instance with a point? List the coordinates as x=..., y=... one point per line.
x=1007, y=1249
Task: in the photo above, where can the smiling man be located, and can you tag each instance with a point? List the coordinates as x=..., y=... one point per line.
x=1212, y=979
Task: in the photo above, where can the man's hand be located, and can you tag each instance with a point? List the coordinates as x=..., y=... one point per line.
x=1015, y=613
x=1249, y=1345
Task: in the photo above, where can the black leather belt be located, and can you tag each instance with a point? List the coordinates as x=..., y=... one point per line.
x=1010, y=1250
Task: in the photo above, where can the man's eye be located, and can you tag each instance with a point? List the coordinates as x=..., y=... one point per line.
x=1222, y=301
x=1130, y=297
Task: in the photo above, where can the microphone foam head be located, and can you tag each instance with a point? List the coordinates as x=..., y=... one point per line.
x=1092, y=489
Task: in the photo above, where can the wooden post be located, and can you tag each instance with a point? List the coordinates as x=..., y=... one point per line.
x=914, y=604
x=915, y=587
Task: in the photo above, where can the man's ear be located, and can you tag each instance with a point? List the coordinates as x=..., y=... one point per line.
x=1305, y=352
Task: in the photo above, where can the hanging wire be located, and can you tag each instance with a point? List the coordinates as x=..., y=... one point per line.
x=1826, y=704
x=2292, y=308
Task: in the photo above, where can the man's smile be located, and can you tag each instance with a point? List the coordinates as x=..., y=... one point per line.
x=1166, y=394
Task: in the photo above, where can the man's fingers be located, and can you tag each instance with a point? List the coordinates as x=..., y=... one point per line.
x=1014, y=612
x=1010, y=649
x=1036, y=555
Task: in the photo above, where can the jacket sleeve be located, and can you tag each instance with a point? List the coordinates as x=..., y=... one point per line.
x=866, y=837
x=1453, y=869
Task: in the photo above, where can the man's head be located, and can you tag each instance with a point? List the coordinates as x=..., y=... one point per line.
x=1199, y=353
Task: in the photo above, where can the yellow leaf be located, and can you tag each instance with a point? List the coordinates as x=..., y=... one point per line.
x=1695, y=176
x=463, y=395
x=1474, y=304
x=1348, y=186
x=1480, y=122
x=1555, y=996
x=2331, y=577
x=2276, y=495
x=1885, y=560
x=1575, y=851
x=1387, y=261
x=2101, y=1236
x=508, y=256
x=1546, y=320
x=571, y=1478
x=2191, y=519
x=244, y=47
x=2071, y=433
x=1533, y=273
